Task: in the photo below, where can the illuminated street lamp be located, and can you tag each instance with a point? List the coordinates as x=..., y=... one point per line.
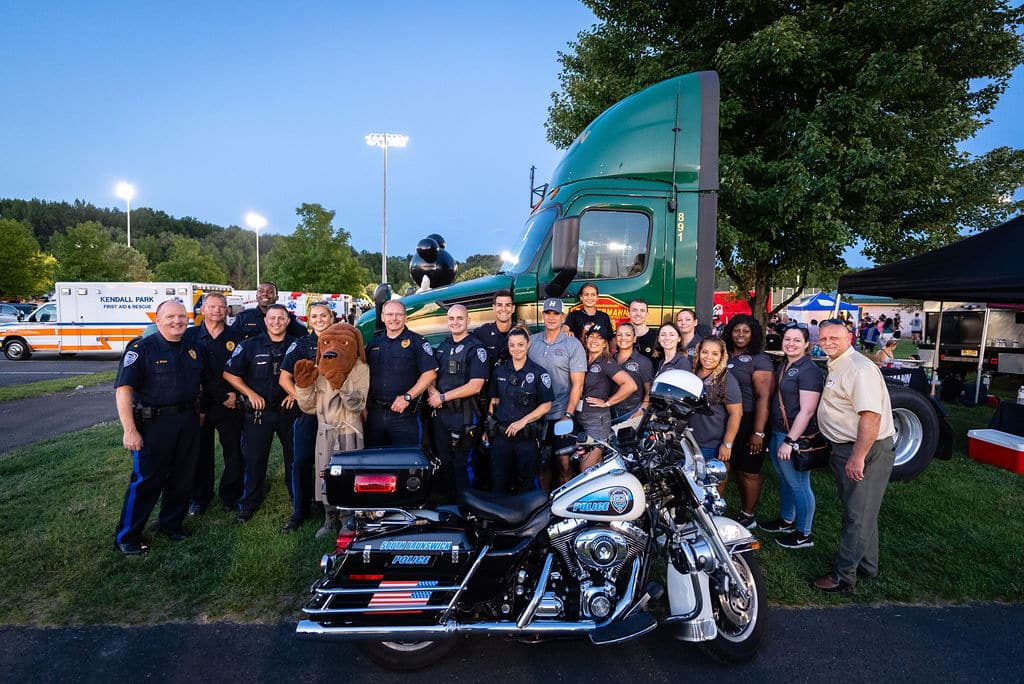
x=126, y=191
x=385, y=140
x=255, y=221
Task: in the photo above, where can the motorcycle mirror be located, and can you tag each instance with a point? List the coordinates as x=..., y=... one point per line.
x=563, y=427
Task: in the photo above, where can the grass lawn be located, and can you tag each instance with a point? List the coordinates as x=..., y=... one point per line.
x=36, y=389
x=952, y=535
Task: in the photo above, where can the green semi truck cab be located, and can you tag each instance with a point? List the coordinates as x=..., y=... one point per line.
x=632, y=207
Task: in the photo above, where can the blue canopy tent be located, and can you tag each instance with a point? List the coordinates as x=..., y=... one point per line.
x=818, y=306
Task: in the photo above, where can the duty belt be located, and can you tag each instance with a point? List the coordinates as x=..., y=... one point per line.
x=150, y=412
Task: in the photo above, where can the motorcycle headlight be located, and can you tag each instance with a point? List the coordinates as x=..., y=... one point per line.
x=714, y=471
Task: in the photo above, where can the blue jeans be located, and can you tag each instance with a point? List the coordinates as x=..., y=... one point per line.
x=709, y=452
x=796, y=499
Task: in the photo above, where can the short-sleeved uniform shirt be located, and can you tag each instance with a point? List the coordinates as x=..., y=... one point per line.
x=678, y=362
x=853, y=384
x=459, y=362
x=580, y=323
x=519, y=391
x=742, y=366
x=258, y=361
x=641, y=370
x=216, y=352
x=560, y=358
x=396, y=364
x=691, y=348
x=251, y=323
x=710, y=430
x=645, y=343
x=599, y=382
x=302, y=348
x=494, y=341
x=802, y=375
x=161, y=373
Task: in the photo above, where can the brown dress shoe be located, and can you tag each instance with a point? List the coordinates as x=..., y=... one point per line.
x=832, y=583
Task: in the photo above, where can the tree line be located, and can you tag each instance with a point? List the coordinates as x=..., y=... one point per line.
x=43, y=242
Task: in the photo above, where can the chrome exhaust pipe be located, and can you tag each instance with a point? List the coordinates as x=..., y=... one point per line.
x=314, y=630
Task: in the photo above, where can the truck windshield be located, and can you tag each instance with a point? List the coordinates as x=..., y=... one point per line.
x=520, y=258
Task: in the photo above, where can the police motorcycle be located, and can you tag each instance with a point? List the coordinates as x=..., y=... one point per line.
x=407, y=582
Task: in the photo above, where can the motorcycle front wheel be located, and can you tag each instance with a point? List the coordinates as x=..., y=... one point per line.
x=740, y=622
x=407, y=655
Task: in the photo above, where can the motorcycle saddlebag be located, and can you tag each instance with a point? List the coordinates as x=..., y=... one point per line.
x=388, y=477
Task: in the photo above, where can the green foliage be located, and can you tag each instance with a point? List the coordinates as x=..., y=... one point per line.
x=839, y=121
x=316, y=257
x=185, y=262
x=83, y=253
x=24, y=269
x=398, y=270
x=488, y=262
x=472, y=273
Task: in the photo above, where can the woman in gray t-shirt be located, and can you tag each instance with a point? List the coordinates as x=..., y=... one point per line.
x=715, y=433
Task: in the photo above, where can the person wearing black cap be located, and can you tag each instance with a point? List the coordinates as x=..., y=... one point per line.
x=565, y=360
x=586, y=318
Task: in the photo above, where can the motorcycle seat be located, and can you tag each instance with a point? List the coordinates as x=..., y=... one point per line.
x=508, y=510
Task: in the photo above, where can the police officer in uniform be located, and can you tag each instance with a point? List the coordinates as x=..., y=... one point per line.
x=254, y=371
x=521, y=397
x=494, y=336
x=157, y=390
x=402, y=367
x=218, y=408
x=462, y=372
x=250, y=322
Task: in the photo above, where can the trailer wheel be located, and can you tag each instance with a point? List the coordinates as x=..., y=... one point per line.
x=16, y=349
x=917, y=432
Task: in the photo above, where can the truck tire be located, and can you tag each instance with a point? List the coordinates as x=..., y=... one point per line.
x=917, y=432
x=16, y=349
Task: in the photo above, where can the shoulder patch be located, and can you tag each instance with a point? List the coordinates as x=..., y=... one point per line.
x=130, y=358
x=481, y=354
x=238, y=350
x=291, y=347
x=427, y=348
x=545, y=380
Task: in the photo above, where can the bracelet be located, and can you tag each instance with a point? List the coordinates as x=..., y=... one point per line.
x=759, y=434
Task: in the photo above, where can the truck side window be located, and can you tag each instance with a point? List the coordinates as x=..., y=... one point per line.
x=613, y=244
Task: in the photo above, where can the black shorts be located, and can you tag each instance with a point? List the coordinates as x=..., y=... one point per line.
x=742, y=460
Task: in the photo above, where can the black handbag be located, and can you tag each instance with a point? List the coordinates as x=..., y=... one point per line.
x=812, y=450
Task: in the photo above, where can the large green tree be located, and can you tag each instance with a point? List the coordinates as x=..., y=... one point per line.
x=83, y=253
x=26, y=270
x=841, y=122
x=316, y=257
x=186, y=262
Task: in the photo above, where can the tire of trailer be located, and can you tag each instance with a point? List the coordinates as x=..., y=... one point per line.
x=917, y=426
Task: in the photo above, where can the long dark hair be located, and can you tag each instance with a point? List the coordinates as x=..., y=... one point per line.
x=716, y=379
x=756, y=334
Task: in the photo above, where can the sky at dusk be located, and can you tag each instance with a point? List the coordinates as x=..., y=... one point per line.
x=215, y=109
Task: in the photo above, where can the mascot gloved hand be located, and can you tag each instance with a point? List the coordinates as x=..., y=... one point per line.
x=305, y=373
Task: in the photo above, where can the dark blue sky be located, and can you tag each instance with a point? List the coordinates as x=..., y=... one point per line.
x=214, y=109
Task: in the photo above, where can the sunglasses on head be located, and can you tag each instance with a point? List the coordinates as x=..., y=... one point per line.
x=832, y=321
x=794, y=324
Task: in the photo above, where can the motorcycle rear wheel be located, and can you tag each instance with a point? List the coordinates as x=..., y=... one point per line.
x=740, y=623
x=405, y=656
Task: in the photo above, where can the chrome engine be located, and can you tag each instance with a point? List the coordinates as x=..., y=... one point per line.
x=594, y=554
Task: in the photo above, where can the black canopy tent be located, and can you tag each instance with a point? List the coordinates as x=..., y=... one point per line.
x=987, y=267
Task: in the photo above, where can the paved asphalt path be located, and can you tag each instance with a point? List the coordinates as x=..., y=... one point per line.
x=859, y=644
x=30, y=420
x=52, y=367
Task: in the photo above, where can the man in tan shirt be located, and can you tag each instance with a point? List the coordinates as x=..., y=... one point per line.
x=856, y=417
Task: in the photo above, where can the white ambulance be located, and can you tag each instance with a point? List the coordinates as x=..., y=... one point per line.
x=299, y=302
x=97, y=317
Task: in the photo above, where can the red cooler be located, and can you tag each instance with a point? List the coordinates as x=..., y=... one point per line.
x=997, y=448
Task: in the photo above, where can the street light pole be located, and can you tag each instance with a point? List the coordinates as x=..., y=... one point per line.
x=255, y=221
x=385, y=140
x=126, y=191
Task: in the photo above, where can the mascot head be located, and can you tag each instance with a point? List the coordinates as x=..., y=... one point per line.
x=338, y=349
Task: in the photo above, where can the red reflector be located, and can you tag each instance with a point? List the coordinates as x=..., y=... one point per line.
x=344, y=540
x=365, y=578
x=375, y=484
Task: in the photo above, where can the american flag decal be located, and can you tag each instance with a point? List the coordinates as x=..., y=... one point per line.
x=410, y=597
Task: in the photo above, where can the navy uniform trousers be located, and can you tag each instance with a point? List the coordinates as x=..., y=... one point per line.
x=227, y=423
x=165, y=464
x=257, y=439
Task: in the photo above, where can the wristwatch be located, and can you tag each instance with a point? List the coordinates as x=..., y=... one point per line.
x=442, y=397
x=760, y=434
x=407, y=397
x=727, y=445
x=568, y=415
